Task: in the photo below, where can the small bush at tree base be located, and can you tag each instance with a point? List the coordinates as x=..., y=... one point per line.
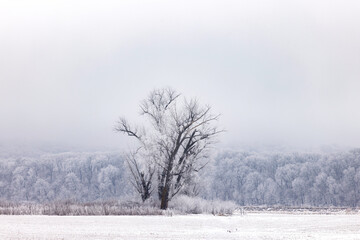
x=196, y=205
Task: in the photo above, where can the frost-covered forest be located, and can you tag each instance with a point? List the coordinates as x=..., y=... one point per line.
x=248, y=178
x=292, y=179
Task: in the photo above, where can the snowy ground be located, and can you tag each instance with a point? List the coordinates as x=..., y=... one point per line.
x=250, y=226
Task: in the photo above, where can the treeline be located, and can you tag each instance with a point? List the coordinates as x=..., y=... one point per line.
x=248, y=178
x=80, y=177
x=293, y=179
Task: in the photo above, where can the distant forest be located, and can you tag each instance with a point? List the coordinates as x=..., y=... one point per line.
x=247, y=178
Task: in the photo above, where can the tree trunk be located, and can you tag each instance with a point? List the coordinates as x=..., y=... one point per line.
x=164, y=197
x=166, y=187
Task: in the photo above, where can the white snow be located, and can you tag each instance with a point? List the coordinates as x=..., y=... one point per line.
x=250, y=226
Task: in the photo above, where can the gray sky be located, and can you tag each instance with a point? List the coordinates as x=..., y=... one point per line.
x=279, y=72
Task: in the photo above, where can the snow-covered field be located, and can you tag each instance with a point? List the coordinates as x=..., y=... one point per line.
x=249, y=226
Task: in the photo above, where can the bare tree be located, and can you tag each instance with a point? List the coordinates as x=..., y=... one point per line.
x=175, y=142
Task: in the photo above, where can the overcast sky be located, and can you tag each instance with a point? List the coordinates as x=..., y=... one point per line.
x=279, y=72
